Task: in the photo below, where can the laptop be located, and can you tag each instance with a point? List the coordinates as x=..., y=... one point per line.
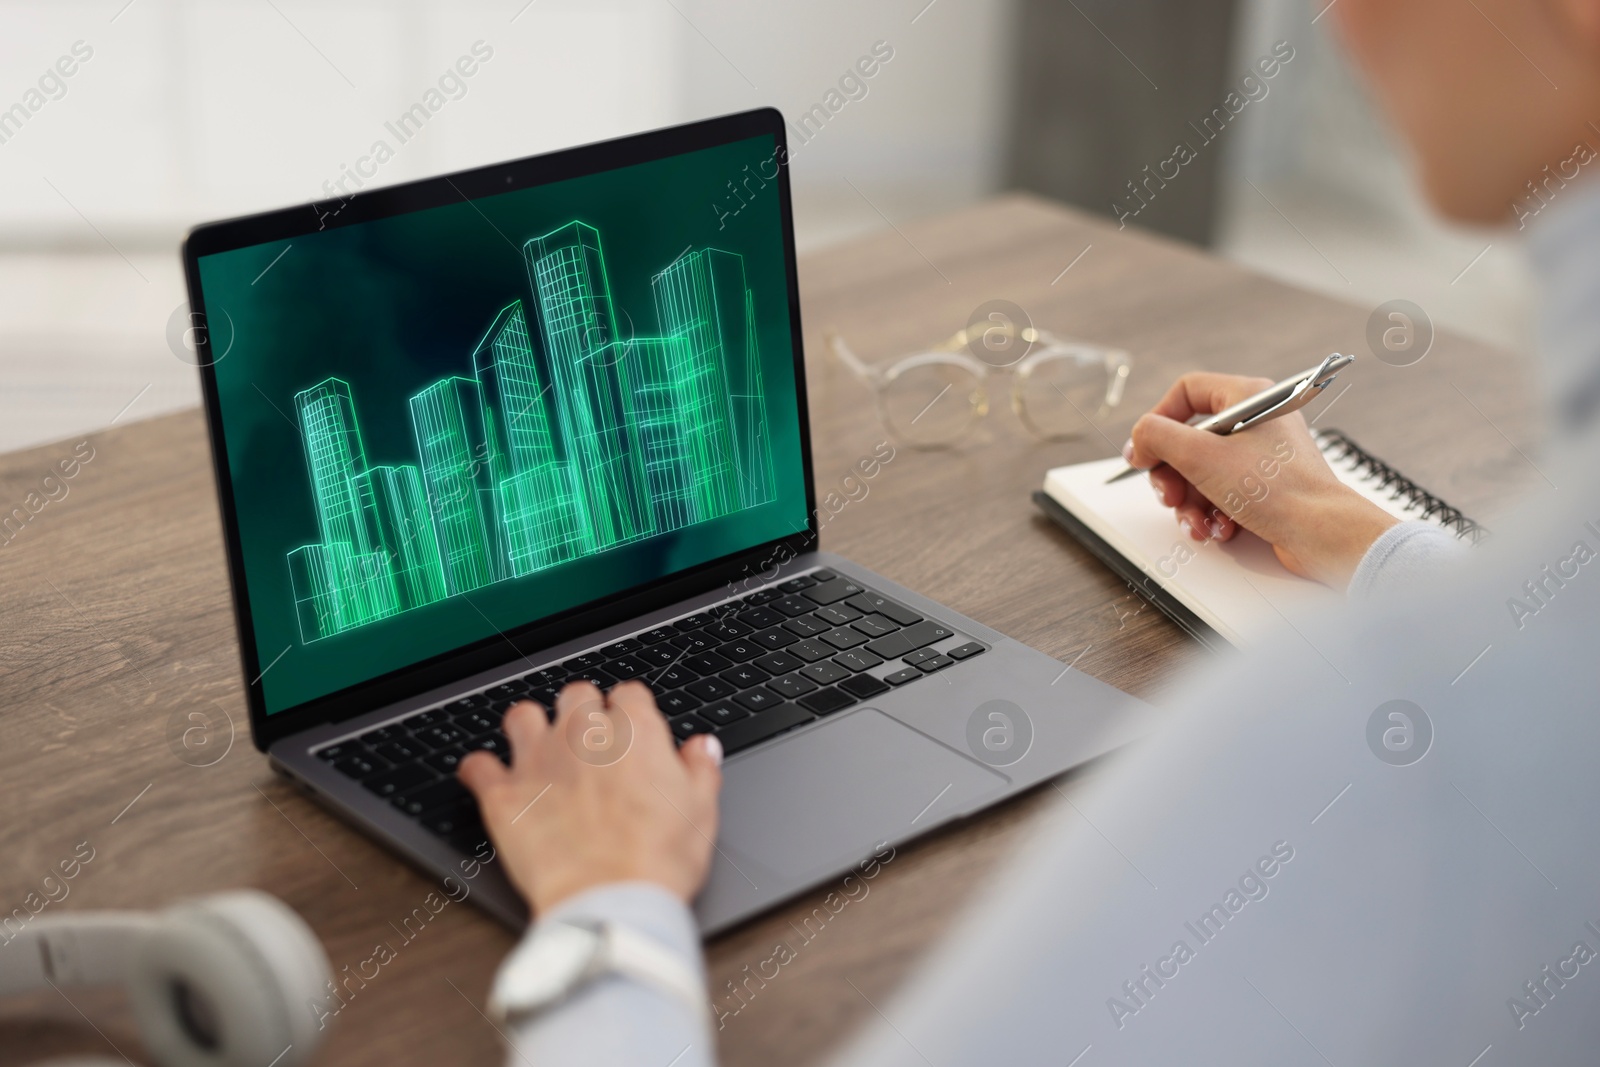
x=483, y=434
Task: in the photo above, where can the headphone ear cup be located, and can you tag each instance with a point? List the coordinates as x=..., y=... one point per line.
x=229, y=980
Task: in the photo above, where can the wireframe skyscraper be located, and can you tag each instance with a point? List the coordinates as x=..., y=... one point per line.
x=701, y=297
x=567, y=271
x=447, y=418
x=346, y=579
x=653, y=366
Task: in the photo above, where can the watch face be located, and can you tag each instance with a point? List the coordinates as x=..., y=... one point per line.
x=555, y=961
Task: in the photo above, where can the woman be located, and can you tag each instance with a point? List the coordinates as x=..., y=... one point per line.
x=1319, y=881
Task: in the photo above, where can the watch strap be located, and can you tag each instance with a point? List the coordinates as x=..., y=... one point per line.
x=618, y=950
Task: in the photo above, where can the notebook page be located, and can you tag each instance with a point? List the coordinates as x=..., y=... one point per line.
x=1238, y=588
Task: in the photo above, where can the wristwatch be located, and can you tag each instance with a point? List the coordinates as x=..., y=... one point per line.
x=562, y=957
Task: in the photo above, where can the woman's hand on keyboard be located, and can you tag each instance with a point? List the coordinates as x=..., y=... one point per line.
x=1270, y=479
x=598, y=796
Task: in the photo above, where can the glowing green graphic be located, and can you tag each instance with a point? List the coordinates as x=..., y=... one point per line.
x=566, y=441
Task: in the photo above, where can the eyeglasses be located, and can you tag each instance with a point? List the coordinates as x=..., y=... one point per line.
x=934, y=399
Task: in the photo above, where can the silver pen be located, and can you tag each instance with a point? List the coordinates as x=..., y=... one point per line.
x=1291, y=394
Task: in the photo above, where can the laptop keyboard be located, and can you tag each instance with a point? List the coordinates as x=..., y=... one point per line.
x=746, y=670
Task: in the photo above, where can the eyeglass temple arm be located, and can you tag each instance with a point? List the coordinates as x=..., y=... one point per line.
x=850, y=359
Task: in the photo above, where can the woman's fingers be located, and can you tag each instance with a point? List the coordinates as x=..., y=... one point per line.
x=1206, y=393
x=1202, y=520
x=1171, y=488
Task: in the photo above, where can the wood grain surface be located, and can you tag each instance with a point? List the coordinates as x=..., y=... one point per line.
x=117, y=624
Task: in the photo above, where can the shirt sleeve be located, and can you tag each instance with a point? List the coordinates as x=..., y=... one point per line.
x=1403, y=555
x=615, y=1021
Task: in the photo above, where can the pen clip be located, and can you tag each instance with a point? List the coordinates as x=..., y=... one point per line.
x=1304, y=393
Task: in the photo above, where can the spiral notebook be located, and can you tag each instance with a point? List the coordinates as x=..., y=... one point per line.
x=1231, y=593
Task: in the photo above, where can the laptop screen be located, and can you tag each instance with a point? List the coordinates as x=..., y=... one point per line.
x=444, y=425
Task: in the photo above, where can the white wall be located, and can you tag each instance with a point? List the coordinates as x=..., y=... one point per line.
x=192, y=110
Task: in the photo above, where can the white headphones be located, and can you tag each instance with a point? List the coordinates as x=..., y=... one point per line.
x=217, y=981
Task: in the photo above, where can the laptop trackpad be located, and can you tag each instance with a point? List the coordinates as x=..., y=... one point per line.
x=821, y=800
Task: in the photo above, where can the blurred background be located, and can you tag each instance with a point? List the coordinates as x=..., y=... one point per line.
x=190, y=110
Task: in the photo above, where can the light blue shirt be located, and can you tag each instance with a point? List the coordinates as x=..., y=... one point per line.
x=1303, y=893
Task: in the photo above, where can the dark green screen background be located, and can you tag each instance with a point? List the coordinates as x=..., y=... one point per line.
x=393, y=305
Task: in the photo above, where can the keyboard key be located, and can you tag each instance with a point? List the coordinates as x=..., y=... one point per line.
x=761, y=618
x=824, y=575
x=549, y=678
x=707, y=663
x=795, y=585
x=405, y=751
x=676, y=703
x=858, y=659
x=495, y=742
x=441, y=794
x=966, y=651
x=673, y=677
x=744, y=676
x=922, y=655
x=937, y=663
x=825, y=673
x=774, y=638
x=583, y=663
x=625, y=667
x=827, y=701
x=342, y=750
x=832, y=592
x=692, y=643
x=424, y=718
x=903, y=675
x=838, y=614
x=659, y=655
x=746, y=732
x=446, y=760
x=870, y=602
x=791, y=686
x=726, y=630
x=694, y=622
x=460, y=818
x=361, y=764
x=596, y=676
x=506, y=690
x=810, y=651
x=458, y=707
x=398, y=780
x=792, y=606
x=910, y=639
x=723, y=713
x=686, y=726
x=778, y=662
x=863, y=686
x=622, y=648
x=385, y=733
x=758, y=699
x=442, y=736
x=450, y=820
x=658, y=635
x=479, y=722
x=740, y=650
x=844, y=638
x=874, y=626
x=807, y=626
x=710, y=689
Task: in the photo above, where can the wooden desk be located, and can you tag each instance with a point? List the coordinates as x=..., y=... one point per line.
x=117, y=619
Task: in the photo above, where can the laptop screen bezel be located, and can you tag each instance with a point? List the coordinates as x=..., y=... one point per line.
x=533, y=637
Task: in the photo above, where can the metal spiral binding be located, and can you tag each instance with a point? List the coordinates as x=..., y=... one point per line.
x=1336, y=446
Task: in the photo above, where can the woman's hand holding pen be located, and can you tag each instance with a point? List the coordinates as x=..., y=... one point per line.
x=1271, y=480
